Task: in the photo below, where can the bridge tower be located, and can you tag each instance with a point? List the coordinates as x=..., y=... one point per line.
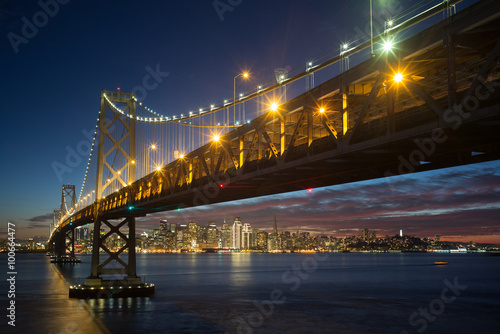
x=68, y=199
x=63, y=245
x=114, y=277
x=116, y=146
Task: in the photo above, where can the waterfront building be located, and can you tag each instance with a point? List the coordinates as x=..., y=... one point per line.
x=193, y=234
x=261, y=240
x=212, y=235
x=237, y=233
x=226, y=237
x=246, y=236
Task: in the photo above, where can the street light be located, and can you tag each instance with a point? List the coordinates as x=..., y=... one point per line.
x=398, y=77
x=371, y=29
x=388, y=45
x=244, y=75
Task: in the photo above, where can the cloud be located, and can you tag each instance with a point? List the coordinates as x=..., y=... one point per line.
x=42, y=218
x=35, y=225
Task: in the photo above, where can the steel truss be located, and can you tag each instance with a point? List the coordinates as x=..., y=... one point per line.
x=107, y=155
x=99, y=242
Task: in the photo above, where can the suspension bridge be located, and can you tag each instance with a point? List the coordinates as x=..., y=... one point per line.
x=427, y=102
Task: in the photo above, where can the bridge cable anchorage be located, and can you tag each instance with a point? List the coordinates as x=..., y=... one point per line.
x=90, y=158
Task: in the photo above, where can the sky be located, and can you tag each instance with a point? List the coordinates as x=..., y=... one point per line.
x=53, y=73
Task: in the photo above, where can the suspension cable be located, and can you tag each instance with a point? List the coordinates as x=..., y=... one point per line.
x=90, y=158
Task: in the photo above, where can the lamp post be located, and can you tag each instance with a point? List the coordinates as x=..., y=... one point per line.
x=244, y=75
x=371, y=29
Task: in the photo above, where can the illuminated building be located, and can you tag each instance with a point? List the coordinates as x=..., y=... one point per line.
x=237, y=233
x=226, y=240
x=246, y=235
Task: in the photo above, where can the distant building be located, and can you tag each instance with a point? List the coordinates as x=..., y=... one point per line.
x=237, y=233
x=273, y=240
x=212, y=239
x=246, y=237
x=226, y=237
x=172, y=227
x=163, y=231
x=193, y=234
x=261, y=240
x=170, y=241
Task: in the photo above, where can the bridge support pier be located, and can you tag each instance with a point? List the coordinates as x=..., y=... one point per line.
x=113, y=277
x=61, y=246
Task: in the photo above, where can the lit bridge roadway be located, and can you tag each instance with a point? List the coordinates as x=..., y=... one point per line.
x=363, y=124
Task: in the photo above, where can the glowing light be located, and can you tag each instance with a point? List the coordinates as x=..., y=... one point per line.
x=310, y=190
x=388, y=45
x=221, y=185
x=245, y=75
x=322, y=110
x=345, y=46
x=216, y=138
x=398, y=77
x=158, y=168
x=274, y=106
x=181, y=156
x=153, y=146
x=133, y=162
x=390, y=23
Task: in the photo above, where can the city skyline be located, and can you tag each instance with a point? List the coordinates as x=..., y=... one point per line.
x=461, y=202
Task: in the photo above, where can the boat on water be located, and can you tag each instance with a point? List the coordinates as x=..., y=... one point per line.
x=440, y=263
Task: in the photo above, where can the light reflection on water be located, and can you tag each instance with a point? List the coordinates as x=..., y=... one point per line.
x=213, y=293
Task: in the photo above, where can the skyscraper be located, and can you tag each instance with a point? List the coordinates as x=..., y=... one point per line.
x=212, y=239
x=172, y=227
x=163, y=231
x=226, y=235
x=246, y=236
x=237, y=233
x=273, y=241
x=193, y=233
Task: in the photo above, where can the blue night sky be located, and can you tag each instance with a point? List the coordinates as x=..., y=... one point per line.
x=52, y=80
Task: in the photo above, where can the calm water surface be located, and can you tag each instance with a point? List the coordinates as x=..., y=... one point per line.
x=268, y=293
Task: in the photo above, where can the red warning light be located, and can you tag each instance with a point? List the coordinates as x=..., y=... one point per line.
x=221, y=185
x=310, y=190
x=118, y=88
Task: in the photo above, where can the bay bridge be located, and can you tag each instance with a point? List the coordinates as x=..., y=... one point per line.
x=429, y=101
